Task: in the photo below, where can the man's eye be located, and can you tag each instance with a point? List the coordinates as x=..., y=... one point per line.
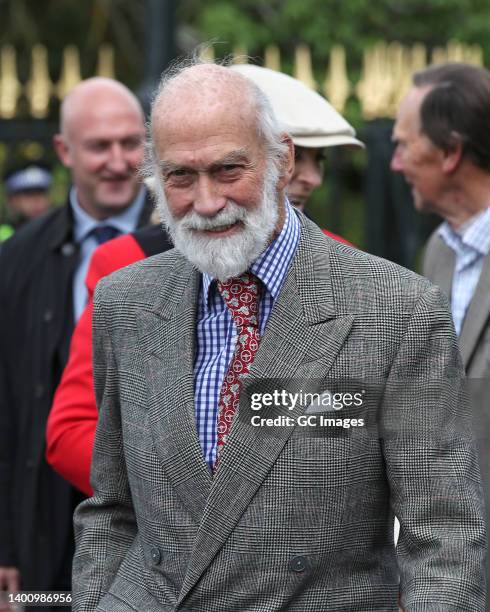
x=132, y=143
x=229, y=171
x=97, y=147
x=180, y=177
x=177, y=174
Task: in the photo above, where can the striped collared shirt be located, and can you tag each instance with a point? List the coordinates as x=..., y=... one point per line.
x=216, y=332
x=471, y=244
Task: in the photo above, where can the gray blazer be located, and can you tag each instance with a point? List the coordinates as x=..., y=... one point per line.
x=291, y=521
x=474, y=341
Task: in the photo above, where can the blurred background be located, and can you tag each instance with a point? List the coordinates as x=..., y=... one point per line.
x=359, y=54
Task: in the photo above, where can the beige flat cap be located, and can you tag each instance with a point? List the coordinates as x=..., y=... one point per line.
x=305, y=114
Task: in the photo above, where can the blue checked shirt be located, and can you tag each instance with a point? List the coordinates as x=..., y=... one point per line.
x=471, y=244
x=216, y=331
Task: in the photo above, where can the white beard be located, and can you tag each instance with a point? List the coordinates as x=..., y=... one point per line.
x=224, y=258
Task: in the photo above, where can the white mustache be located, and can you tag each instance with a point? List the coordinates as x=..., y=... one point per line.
x=228, y=216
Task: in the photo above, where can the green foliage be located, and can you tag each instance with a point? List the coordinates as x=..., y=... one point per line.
x=354, y=23
x=252, y=24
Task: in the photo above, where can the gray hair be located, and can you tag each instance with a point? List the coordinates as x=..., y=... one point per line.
x=268, y=127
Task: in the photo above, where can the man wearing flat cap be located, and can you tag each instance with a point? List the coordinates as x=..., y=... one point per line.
x=311, y=121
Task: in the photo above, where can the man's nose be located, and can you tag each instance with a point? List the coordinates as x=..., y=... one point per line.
x=208, y=200
x=117, y=158
x=311, y=174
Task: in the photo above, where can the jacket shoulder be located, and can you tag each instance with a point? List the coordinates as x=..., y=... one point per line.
x=383, y=284
x=361, y=281
x=143, y=281
x=38, y=229
x=27, y=249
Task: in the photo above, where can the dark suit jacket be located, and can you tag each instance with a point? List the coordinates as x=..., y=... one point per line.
x=290, y=522
x=73, y=416
x=36, y=322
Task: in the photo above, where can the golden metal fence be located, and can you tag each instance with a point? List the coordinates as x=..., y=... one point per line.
x=384, y=78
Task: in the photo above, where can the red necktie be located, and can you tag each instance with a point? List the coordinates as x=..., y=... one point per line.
x=241, y=296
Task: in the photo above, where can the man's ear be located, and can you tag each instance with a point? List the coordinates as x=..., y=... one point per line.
x=62, y=149
x=287, y=162
x=453, y=155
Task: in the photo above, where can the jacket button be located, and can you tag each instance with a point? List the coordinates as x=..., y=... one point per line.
x=38, y=391
x=48, y=316
x=155, y=555
x=298, y=564
x=68, y=249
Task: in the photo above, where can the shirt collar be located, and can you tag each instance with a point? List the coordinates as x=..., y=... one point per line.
x=475, y=234
x=272, y=265
x=126, y=221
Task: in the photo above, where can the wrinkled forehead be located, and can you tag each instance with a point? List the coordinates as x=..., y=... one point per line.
x=408, y=116
x=205, y=81
x=206, y=141
x=213, y=122
x=221, y=115
x=204, y=94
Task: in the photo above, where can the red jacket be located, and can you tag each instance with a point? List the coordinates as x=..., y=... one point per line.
x=73, y=417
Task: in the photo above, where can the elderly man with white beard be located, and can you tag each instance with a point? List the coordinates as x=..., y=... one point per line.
x=197, y=508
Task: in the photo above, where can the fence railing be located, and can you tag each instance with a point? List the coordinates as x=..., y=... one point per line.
x=39, y=89
x=384, y=77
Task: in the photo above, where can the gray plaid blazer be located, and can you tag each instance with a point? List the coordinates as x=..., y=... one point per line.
x=291, y=522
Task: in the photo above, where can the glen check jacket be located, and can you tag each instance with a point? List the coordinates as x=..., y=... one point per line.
x=290, y=522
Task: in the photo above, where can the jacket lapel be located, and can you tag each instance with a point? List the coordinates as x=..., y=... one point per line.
x=302, y=338
x=147, y=210
x=477, y=315
x=166, y=336
x=440, y=269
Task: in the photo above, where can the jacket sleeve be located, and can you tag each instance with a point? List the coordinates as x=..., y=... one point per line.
x=7, y=435
x=105, y=524
x=432, y=467
x=73, y=417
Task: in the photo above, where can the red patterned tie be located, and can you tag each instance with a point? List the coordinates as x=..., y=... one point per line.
x=241, y=295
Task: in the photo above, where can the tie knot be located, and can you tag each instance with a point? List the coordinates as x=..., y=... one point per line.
x=103, y=233
x=241, y=296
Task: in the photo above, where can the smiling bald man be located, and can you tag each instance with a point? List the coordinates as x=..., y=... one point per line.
x=42, y=294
